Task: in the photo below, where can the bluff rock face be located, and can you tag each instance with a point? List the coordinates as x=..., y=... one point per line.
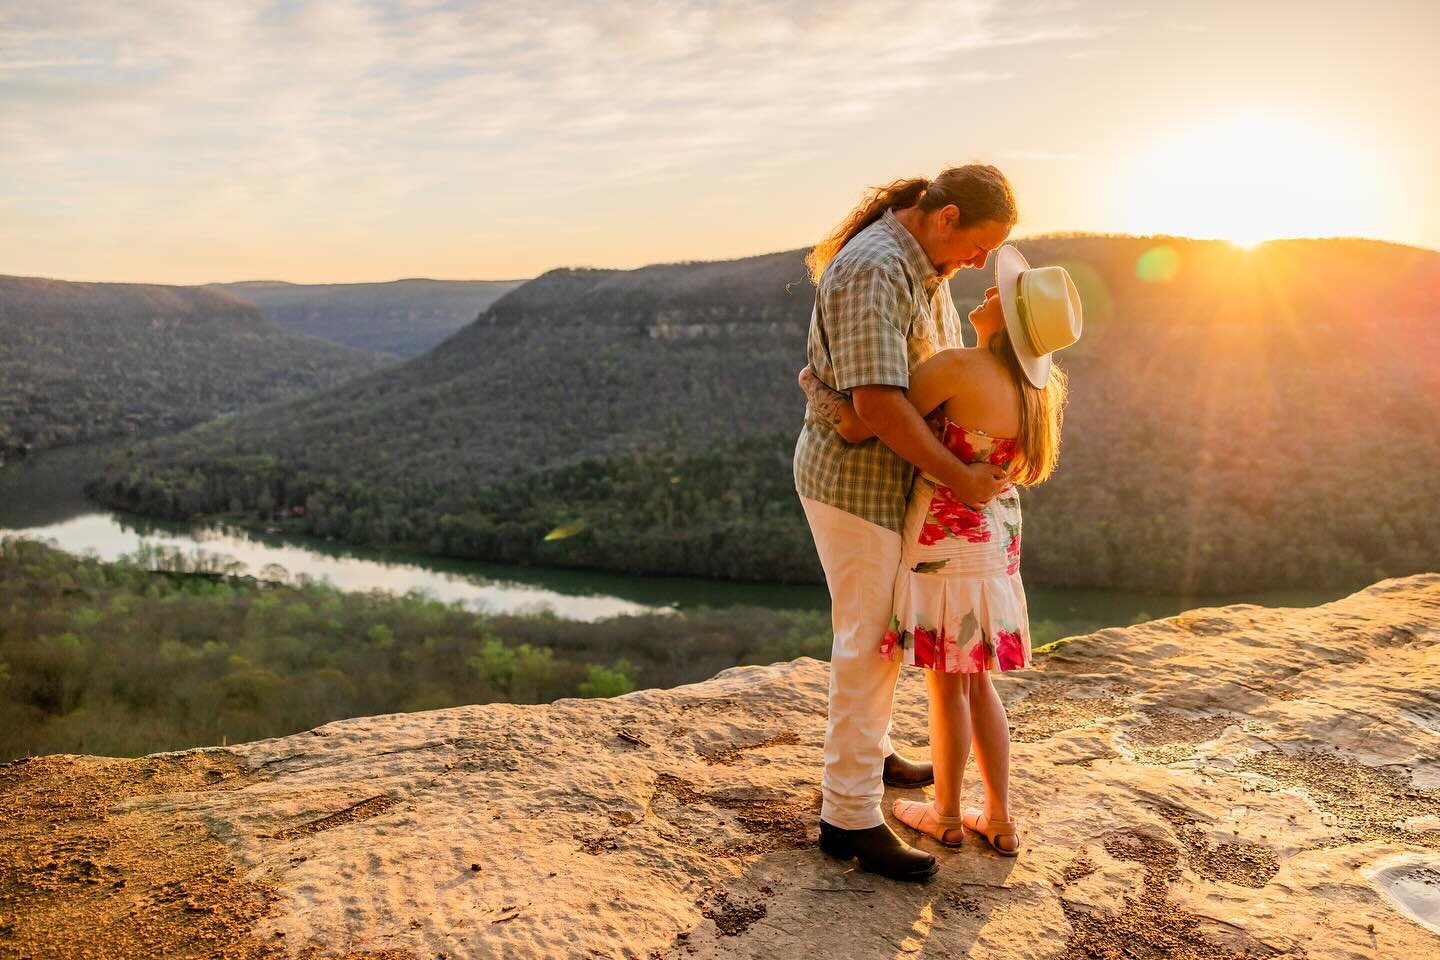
x=1230, y=782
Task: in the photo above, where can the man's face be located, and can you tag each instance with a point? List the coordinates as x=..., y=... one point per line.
x=951, y=247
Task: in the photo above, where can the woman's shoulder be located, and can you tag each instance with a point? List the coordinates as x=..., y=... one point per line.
x=974, y=367
x=984, y=393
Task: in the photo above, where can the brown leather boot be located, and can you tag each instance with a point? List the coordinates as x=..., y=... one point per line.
x=909, y=774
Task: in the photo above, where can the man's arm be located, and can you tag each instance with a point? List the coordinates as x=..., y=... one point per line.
x=930, y=385
x=867, y=313
x=900, y=427
x=832, y=408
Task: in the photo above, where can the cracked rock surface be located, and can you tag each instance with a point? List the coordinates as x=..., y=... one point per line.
x=1227, y=783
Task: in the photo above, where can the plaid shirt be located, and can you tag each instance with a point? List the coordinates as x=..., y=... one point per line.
x=880, y=311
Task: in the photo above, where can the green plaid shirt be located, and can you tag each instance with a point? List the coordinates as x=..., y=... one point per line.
x=880, y=311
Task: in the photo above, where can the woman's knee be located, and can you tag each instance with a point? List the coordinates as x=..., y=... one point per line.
x=947, y=688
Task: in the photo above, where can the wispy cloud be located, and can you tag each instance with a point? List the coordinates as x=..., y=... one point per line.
x=302, y=105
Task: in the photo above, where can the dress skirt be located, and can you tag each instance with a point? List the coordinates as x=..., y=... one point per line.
x=958, y=602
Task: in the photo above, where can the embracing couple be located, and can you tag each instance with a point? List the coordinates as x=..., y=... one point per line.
x=907, y=468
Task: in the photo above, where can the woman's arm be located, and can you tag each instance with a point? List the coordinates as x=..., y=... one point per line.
x=932, y=383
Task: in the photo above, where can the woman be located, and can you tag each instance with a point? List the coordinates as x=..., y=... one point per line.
x=958, y=602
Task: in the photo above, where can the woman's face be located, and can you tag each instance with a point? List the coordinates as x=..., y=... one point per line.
x=988, y=317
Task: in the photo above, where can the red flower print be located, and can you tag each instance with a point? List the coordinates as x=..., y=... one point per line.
x=1009, y=649
x=1004, y=451
x=891, y=637
x=1012, y=554
x=957, y=444
x=978, y=655
x=924, y=647
x=949, y=516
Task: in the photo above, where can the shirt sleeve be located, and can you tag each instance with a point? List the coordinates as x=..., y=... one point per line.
x=867, y=314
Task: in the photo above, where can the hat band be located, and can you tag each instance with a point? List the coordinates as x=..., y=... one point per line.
x=1027, y=324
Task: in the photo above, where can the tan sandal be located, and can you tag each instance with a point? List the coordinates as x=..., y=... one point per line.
x=942, y=825
x=1001, y=828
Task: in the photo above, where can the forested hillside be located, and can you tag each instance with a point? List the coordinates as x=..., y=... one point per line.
x=1239, y=419
x=82, y=361
x=402, y=317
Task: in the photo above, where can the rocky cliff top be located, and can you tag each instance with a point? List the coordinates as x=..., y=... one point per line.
x=1230, y=782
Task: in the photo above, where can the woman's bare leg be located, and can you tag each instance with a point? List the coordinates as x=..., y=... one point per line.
x=949, y=737
x=992, y=745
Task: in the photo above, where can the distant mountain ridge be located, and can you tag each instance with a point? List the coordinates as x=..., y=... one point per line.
x=1230, y=412
x=82, y=361
x=768, y=289
x=400, y=317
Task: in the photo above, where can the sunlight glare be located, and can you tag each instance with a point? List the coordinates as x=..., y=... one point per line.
x=1252, y=177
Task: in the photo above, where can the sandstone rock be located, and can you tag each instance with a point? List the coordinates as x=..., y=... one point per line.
x=1229, y=782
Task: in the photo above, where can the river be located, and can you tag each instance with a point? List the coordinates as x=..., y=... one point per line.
x=41, y=498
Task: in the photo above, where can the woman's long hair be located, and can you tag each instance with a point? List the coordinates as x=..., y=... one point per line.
x=1041, y=414
x=979, y=190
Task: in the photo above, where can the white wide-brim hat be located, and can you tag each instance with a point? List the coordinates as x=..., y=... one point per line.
x=1042, y=310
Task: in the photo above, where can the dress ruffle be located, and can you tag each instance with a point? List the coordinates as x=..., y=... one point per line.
x=961, y=624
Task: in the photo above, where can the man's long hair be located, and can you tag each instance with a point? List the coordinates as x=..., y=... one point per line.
x=978, y=190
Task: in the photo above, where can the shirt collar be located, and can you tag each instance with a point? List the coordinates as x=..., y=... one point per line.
x=914, y=253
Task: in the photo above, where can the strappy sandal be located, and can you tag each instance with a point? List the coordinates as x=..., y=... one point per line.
x=972, y=818
x=943, y=825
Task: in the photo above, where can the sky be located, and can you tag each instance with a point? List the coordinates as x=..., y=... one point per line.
x=363, y=140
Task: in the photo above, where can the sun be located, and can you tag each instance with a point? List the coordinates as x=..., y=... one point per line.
x=1250, y=177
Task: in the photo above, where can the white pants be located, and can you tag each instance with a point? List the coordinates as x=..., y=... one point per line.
x=860, y=560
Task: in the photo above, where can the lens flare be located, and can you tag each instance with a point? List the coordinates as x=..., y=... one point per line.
x=1158, y=265
x=566, y=530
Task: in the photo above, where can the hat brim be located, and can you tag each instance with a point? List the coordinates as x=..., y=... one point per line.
x=1009, y=264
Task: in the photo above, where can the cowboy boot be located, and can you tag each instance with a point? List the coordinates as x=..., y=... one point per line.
x=908, y=774
x=879, y=851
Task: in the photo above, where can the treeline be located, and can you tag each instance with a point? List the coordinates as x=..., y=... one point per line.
x=1238, y=420
x=120, y=659
x=83, y=361
x=730, y=512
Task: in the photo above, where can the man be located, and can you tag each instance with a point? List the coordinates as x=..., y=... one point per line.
x=882, y=307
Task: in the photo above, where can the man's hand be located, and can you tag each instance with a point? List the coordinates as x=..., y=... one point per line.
x=977, y=483
x=808, y=380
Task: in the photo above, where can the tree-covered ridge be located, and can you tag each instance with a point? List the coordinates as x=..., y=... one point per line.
x=115, y=658
x=83, y=361
x=770, y=287
x=1238, y=419
x=401, y=317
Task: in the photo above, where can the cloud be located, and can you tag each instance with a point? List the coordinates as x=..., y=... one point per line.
x=222, y=109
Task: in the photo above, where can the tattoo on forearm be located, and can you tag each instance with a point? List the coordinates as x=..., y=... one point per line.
x=826, y=404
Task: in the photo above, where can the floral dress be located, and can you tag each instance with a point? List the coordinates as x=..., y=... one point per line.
x=958, y=602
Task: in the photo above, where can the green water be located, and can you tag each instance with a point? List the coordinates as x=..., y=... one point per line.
x=42, y=498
